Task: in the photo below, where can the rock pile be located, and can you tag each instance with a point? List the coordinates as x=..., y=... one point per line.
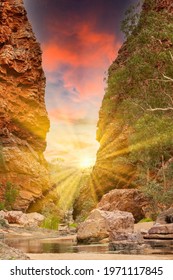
x=20, y=218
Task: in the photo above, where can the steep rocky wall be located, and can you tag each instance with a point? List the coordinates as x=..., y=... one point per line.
x=23, y=117
x=135, y=120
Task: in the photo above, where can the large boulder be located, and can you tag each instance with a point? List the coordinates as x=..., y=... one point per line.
x=130, y=200
x=18, y=217
x=101, y=223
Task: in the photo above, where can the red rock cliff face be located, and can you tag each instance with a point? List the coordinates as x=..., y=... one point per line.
x=23, y=117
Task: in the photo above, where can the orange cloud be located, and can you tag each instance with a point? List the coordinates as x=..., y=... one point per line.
x=86, y=56
x=90, y=49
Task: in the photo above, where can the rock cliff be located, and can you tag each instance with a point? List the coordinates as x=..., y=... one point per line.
x=23, y=117
x=135, y=124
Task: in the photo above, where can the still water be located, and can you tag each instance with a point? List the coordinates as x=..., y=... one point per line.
x=56, y=245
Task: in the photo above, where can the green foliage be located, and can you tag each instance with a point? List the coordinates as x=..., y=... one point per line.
x=2, y=205
x=74, y=225
x=146, y=220
x=52, y=218
x=160, y=197
x=11, y=193
x=131, y=19
x=151, y=140
x=51, y=222
x=140, y=99
x=3, y=223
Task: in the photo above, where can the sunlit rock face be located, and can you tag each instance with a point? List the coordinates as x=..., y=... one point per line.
x=130, y=200
x=127, y=126
x=101, y=224
x=23, y=117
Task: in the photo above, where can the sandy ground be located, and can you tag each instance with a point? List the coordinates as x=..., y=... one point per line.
x=92, y=256
x=88, y=256
x=143, y=226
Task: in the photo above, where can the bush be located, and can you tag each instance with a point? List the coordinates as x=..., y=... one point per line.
x=74, y=225
x=10, y=194
x=2, y=205
x=51, y=222
x=52, y=218
x=146, y=220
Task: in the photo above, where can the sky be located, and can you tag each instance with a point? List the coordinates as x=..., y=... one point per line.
x=79, y=39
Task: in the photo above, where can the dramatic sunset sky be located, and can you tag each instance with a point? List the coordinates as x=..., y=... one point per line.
x=79, y=40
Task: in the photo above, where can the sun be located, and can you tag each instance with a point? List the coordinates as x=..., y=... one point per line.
x=86, y=162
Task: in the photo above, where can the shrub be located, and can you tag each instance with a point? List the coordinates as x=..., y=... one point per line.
x=146, y=220
x=51, y=222
x=2, y=205
x=11, y=194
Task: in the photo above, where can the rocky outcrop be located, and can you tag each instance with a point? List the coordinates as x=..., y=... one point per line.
x=166, y=217
x=20, y=218
x=100, y=224
x=131, y=243
x=8, y=253
x=163, y=227
x=135, y=114
x=23, y=117
x=130, y=200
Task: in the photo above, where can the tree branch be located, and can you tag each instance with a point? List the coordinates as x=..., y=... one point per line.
x=168, y=78
x=159, y=109
x=171, y=55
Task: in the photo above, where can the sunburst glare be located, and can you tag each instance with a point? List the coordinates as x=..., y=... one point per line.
x=86, y=162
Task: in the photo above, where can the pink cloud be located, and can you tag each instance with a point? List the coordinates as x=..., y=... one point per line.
x=92, y=52
x=90, y=49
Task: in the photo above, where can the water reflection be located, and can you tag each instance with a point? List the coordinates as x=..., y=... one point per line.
x=39, y=246
x=55, y=245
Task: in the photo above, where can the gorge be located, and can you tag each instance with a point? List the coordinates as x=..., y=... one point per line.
x=135, y=119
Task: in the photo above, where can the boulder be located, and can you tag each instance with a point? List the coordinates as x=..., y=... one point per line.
x=31, y=219
x=18, y=217
x=130, y=200
x=166, y=217
x=161, y=229
x=12, y=217
x=101, y=223
x=8, y=253
x=127, y=243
